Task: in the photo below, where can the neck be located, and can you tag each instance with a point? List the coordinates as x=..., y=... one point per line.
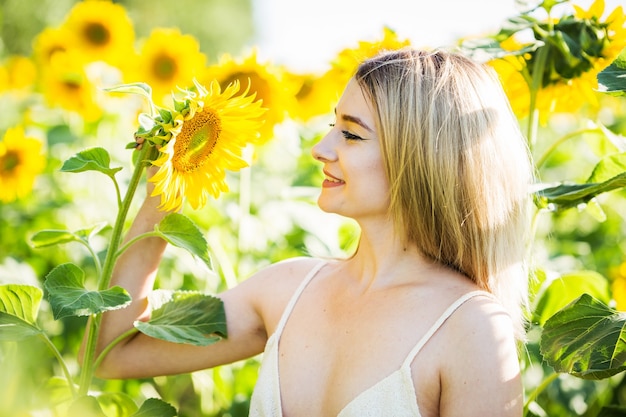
x=381, y=259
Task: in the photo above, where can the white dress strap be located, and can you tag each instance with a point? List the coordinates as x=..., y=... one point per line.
x=446, y=314
x=296, y=296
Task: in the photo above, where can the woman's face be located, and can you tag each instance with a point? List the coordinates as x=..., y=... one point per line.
x=355, y=183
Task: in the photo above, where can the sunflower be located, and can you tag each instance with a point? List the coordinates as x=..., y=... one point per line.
x=20, y=162
x=101, y=30
x=20, y=73
x=345, y=64
x=618, y=286
x=203, y=137
x=579, y=46
x=66, y=85
x=268, y=82
x=50, y=41
x=167, y=60
x=317, y=94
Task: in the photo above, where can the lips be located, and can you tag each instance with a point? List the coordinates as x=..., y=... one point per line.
x=331, y=181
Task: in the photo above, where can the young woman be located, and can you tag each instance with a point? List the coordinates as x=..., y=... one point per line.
x=424, y=318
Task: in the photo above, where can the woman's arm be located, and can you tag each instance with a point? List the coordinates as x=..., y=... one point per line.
x=143, y=356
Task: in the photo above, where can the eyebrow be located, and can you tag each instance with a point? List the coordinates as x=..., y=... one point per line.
x=354, y=119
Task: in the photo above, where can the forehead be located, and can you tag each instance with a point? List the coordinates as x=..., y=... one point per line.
x=355, y=103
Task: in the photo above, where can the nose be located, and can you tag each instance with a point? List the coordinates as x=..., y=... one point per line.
x=323, y=150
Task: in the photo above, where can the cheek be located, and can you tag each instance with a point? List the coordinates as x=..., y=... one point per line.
x=376, y=179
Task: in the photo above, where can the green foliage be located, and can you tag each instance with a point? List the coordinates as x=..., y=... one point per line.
x=185, y=317
x=19, y=306
x=95, y=159
x=612, y=79
x=180, y=231
x=586, y=339
x=66, y=292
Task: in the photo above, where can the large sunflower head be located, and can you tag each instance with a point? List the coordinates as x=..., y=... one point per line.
x=101, y=30
x=201, y=138
x=20, y=163
x=167, y=60
x=268, y=82
x=579, y=45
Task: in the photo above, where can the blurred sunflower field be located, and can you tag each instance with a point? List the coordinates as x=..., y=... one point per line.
x=81, y=80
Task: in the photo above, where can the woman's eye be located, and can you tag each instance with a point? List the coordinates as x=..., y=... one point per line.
x=350, y=136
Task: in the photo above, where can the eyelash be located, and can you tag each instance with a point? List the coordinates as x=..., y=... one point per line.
x=347, y=135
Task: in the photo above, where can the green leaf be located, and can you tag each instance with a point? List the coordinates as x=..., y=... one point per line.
x=585, y=339
x=612, y=80
x=21, y=301
x=558, y=292
x=182, y=232
x=116, y=404
x=608, y=167
x=19, y=305
x=85, y=406
x=185, y=317
x=89, y=232
x=142, y=89
x=66, y=292
x=153, y=407
x=566, y=196
x=50, y=237
x=94, y=159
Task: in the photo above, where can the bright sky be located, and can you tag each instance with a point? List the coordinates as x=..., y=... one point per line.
x=306, y=34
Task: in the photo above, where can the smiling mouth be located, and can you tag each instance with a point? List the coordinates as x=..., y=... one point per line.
x=332, y=179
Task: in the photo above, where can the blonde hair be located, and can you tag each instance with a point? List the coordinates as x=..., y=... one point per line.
x=458, y=166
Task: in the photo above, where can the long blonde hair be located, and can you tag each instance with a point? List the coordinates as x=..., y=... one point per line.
x=458, y=166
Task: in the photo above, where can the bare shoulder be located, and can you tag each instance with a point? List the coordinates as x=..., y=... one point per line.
x=286, y=271
x=268, y=291
x=481, y=361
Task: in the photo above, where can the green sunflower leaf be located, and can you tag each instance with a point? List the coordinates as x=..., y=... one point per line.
x=19, y=305
x=85, y=406
x=608, y=167
x=586, y=339
x=66, y=292
x=612, y=80
x=50, y=237
x=153, y=407
x=185, y=317
x=557, y=292
x=142, y=89
x=182, y=232
x=564, y=196
x=93, y=159
x=116, y=403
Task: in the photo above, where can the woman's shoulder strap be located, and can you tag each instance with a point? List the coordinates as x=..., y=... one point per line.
x=441, y=320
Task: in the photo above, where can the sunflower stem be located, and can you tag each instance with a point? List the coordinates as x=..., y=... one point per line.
x=88, y=365
x=535, y=86
x=133, y=241
x=544, y=384
x=542, y=160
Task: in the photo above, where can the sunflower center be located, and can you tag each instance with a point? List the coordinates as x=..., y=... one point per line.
x=196, y=140
x=164, y=67
x=9, y=161
x=97, y=34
